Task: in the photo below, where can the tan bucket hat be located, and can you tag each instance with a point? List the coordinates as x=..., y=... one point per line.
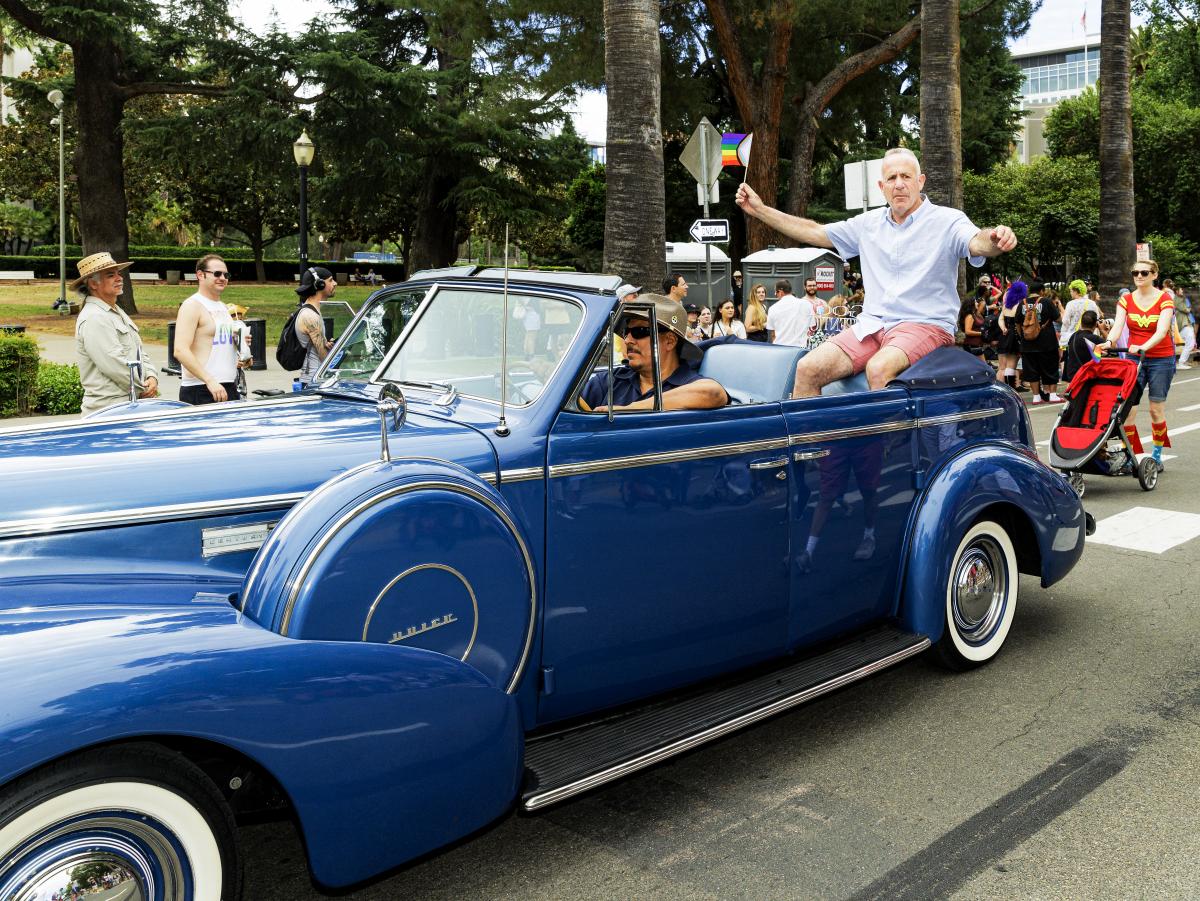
x=670, y=315
x=97, y=262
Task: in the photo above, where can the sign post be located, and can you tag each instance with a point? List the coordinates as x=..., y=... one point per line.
x=702, y=158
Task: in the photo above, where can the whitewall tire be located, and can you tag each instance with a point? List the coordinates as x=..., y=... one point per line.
x=980, y=597
x=138, y=818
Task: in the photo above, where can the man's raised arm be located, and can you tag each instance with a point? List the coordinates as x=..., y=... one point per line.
x=991, y=242
x=804, y=230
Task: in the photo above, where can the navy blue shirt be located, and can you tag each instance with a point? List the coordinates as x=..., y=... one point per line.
x=627, y=386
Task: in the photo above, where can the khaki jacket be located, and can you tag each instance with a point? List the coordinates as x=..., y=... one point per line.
x=105, y=337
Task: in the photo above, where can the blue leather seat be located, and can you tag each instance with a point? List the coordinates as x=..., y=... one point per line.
x=752, y=372
x=848, y=385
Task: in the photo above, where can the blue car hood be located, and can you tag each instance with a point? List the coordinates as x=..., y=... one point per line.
x=193, y=455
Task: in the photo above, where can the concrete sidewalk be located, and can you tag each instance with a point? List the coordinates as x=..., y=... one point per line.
x=61, y=349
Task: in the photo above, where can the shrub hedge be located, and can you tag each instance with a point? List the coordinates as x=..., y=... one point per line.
x=18, y=375
x=58, y=389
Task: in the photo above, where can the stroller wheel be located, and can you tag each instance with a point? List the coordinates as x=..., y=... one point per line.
x=1077, y=484
x=1147, y=473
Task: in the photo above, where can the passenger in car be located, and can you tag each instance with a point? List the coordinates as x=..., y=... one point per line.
x=633, y=381
x=910, y=251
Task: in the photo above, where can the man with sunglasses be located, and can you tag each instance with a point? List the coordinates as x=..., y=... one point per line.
x=633, y=381
x=204, y=342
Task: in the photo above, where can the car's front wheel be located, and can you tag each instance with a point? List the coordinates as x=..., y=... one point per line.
x=981, y=597
x=137, y=818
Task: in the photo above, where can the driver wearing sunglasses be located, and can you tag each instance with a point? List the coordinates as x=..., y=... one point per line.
x=633, y=381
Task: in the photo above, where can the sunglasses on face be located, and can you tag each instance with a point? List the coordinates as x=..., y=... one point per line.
x=217, y=273
x=1136, y=272
x=638, y=332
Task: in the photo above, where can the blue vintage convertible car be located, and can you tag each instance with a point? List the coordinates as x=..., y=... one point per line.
x=432, y=588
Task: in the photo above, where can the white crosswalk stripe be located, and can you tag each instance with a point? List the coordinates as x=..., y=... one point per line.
x=1147, y=529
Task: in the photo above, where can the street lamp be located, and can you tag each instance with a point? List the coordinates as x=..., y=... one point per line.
x=56, y=100
x=304, y=151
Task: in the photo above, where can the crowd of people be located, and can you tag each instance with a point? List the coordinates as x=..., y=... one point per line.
x=1037, y=335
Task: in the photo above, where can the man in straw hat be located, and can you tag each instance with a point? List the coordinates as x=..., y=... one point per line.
x=106, y=338
x=633, y=381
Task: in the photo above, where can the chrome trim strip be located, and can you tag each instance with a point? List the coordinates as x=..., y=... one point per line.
x=545, y=799
x=801, y=456
x=945, y=419
x=298, y=581
x=560, y=470
x=769, y=464
x=528, y=474
x=23, y=528
x=164, y=413
x=899, y=426
x=858, y=431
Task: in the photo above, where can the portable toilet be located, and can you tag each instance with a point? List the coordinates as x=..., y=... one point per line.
x=687, y=258
x=796, y=264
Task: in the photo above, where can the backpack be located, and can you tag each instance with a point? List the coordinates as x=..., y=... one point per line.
x=1030, y=328
x=290, y=353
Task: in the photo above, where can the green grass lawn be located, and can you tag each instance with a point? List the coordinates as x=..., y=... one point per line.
x=29, y=305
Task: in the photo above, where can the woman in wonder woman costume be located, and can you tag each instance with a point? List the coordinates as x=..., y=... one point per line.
x=1148, y=312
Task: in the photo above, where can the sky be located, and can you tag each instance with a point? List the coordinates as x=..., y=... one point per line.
x=1055, y=23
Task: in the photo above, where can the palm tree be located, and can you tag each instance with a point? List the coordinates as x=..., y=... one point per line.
x=1118, y=232
x=941, y=102
x=635, y=208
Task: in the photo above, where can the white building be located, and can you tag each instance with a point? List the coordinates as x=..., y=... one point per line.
x=14, y=62
x=1053, y=71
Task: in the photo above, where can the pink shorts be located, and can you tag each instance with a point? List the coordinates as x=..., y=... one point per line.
x=912, y=338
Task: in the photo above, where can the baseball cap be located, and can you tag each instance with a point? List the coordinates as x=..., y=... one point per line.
x=626, y=289
x=691, y=308
x=670, y=315
x=737, y=272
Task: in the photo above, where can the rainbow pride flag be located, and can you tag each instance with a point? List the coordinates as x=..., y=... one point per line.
x=729, y=146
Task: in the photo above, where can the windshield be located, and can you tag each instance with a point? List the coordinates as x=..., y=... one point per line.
x=456, y=341
x=367, y=345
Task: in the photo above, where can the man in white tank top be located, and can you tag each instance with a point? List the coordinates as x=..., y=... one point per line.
x=204, y=343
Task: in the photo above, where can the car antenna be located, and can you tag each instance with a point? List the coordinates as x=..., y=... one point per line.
x=502, y=429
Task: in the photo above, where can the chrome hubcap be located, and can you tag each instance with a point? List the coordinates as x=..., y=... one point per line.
x=979, y=589
x=88, y=873
x=118, y=854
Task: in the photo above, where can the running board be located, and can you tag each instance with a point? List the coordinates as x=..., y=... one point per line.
x=563, y=764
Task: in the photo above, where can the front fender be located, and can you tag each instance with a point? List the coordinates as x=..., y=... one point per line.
x=386, y=752
x=959, y=492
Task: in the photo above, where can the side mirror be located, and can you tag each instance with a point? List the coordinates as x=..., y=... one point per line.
x=391, y=401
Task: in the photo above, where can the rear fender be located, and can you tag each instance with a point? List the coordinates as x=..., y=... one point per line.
x=1005, y=481
x=385, y=752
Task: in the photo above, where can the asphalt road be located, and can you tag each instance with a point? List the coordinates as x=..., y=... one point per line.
x=1067, y=768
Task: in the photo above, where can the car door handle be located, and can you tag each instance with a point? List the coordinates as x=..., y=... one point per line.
x=769, y=464
x=801, y=456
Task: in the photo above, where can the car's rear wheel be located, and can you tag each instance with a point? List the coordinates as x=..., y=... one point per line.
x=981, y=597
x=138, y=818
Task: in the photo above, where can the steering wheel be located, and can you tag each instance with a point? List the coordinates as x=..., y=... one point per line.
x=583, y=404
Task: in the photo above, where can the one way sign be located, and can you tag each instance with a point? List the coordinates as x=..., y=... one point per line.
x=710, y=231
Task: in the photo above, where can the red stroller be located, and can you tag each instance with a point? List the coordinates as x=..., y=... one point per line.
x=1091, y=423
